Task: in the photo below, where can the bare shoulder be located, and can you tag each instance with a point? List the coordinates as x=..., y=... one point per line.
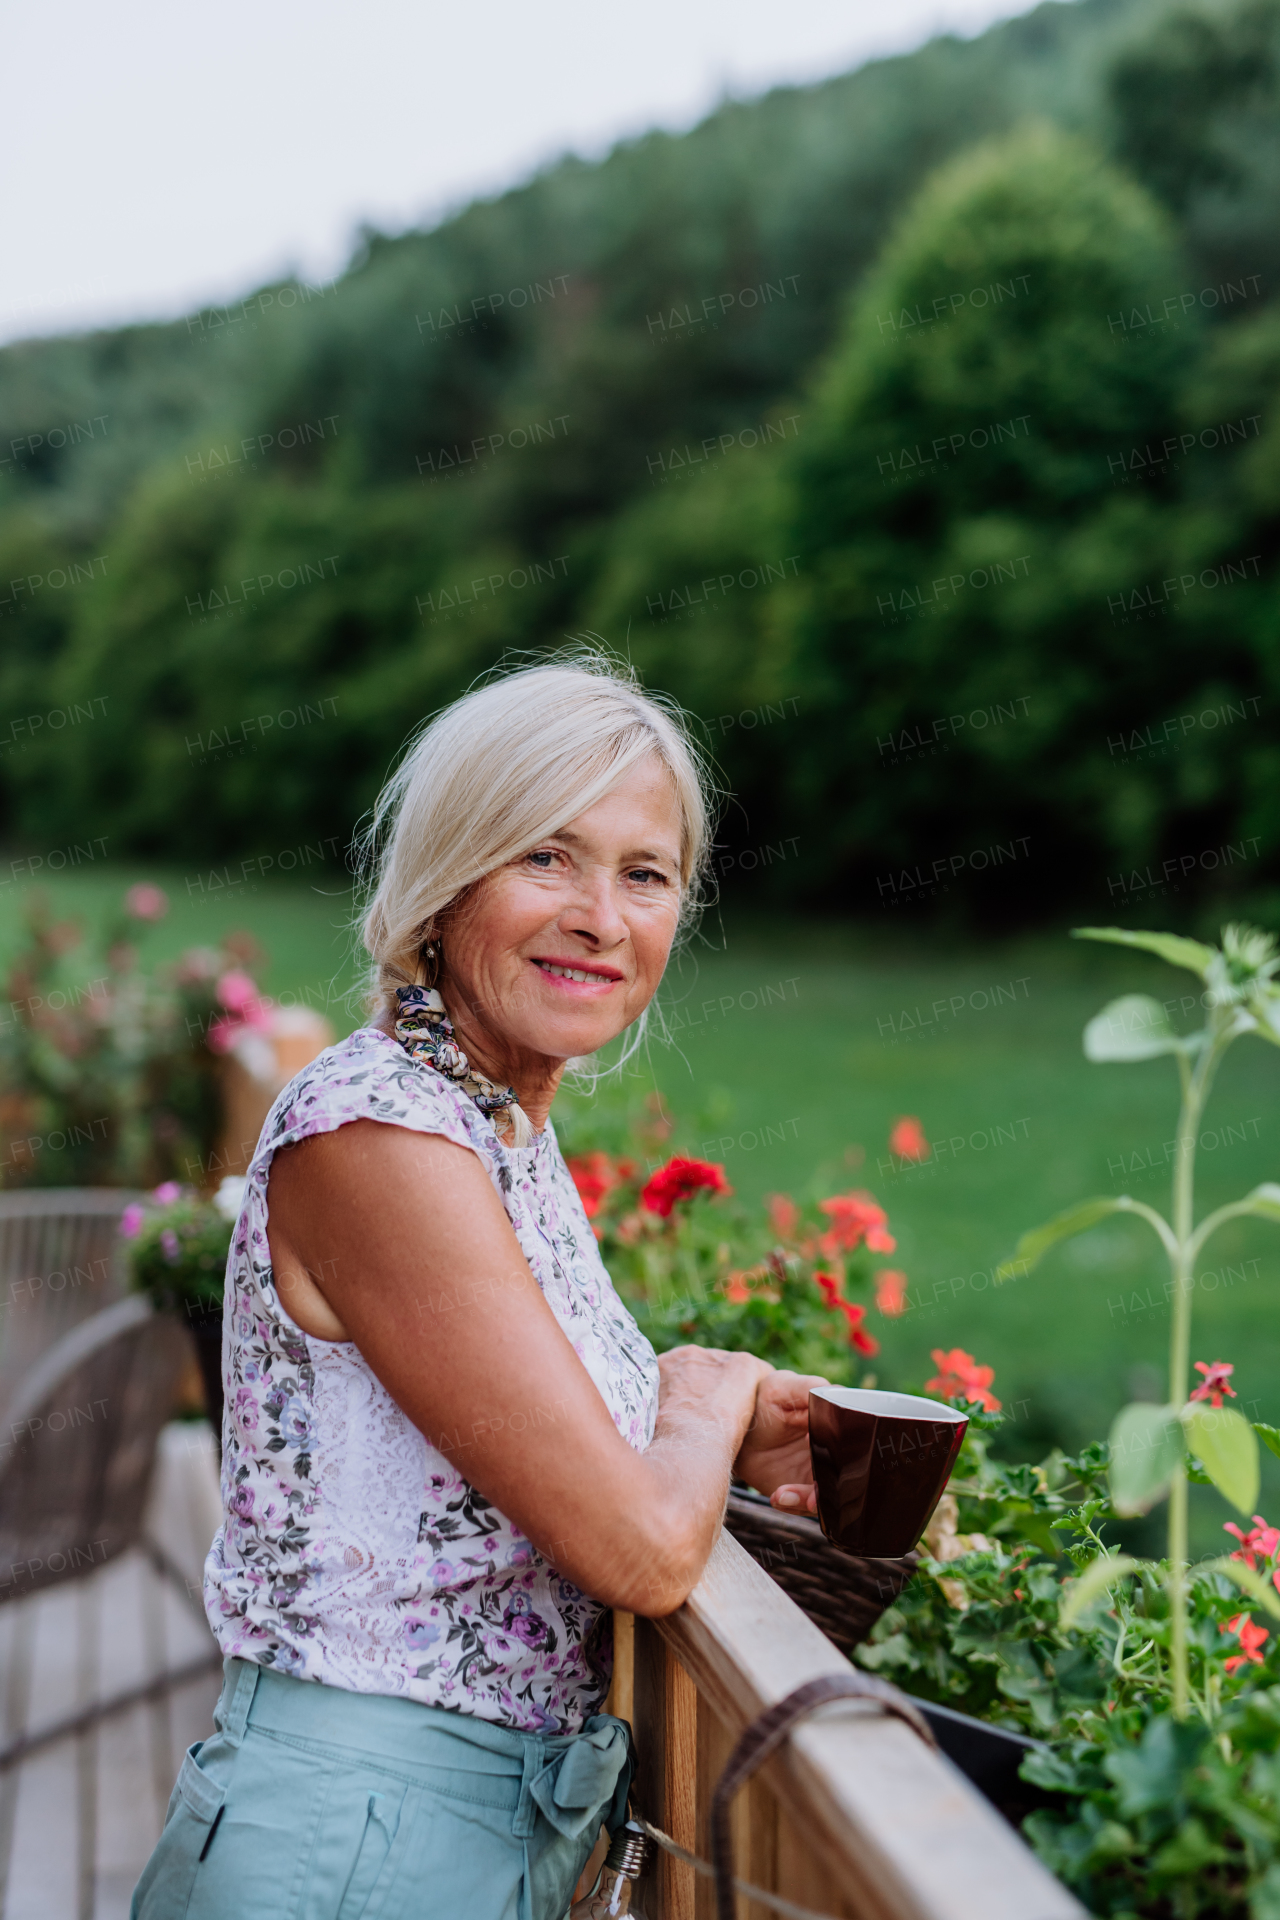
x=373, y=1205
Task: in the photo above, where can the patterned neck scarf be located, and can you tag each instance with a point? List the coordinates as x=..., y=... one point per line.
x=425, y=1031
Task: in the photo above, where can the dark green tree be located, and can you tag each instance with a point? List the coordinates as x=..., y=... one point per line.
x=985, y=529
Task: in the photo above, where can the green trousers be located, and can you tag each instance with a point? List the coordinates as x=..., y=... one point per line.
x=311, y=1803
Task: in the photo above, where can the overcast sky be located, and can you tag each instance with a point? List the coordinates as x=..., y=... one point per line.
x=159, y=155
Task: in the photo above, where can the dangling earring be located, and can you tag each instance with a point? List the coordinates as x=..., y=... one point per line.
x=432, y=957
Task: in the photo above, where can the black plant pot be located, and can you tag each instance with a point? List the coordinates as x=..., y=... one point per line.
x=206, y=1330
x=990, y=1758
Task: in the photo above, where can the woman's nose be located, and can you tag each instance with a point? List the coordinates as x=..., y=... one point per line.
x=595, y=912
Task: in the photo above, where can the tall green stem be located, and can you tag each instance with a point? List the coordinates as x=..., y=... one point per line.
x=1177, y=1589
x=1195, y=1090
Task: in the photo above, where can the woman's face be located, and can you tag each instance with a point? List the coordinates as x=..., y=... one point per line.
x=559, y=951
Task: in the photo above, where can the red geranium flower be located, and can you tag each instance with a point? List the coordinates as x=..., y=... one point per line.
x=858, y=1336
x=784, y=1214
x=593, y=1175
x=959, y=1377
x=680, y=1180
x=854, y=1217
x=1216, y=1382
x=891, y=1292
x=907, y=1139
x=1260, y=1543
x=1250, y=1636
x=829, y=1287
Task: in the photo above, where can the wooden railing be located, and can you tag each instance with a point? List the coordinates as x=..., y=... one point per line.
x=853, y=1817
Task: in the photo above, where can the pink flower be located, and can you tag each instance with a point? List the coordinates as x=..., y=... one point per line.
x=907, y=1139
x=679, y=1180
x=172, y=1249
x=1216, y=1382
x=236, y=991
x=222, y=1035
x=960, y=1377
x=246, y=1012
x=891, y=1292
x=131, y=1220
x=166, y=1192
x=146, y=902
x=1250, y=1636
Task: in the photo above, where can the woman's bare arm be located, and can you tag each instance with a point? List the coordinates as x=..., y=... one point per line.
x=397, y=1241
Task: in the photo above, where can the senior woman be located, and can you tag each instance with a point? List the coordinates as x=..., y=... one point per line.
x=448, y=1449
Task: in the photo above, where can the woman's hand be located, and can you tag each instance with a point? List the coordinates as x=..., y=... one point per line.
x=712, y=1381
x=774, y=1456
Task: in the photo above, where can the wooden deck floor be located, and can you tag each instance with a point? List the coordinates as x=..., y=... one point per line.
x=78, y=1817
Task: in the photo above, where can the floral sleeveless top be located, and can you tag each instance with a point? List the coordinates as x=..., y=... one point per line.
x=351, y=1551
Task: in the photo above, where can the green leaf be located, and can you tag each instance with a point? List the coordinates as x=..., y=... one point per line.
x=1146, y=1445
x=1034, y=1245
x=1154, y=1773
x=1081, y=1675
x=1097, y=1578
x=1264, y=1901
x=1134, y=1027
x=1038, y=1529
x=1266, y=1017
x=1260, y=1591
x=1170, y=946
x=1265, y=1201
x=1227, y=1449
x=1189, y=1852
x=1269, y=1436
x=1046, y=1768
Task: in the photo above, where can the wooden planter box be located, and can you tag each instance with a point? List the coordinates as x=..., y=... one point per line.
x=853, y=1817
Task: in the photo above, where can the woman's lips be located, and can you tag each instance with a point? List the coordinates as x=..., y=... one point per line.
x=581, y=981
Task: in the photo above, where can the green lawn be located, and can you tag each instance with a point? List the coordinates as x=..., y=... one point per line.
x=797, y=1045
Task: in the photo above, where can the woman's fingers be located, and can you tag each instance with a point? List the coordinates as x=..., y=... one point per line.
x=795, y=1498
x=782, y=1402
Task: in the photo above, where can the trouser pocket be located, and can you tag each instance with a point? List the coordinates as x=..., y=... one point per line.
x=373, y=1867
x=195, y=1809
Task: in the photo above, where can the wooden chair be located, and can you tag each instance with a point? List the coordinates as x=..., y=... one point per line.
x=78, y=1446
x=59, y=1264
x=79, y=1441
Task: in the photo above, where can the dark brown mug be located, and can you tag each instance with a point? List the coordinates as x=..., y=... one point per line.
x=880, y=1463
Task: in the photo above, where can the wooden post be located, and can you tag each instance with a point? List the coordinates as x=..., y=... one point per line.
x=618, y=1702
x=622, y=1692
x=665, y=1720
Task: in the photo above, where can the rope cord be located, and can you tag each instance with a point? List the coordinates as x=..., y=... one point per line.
x=758, y=1741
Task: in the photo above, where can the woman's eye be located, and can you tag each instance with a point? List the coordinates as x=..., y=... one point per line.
x=647, y=873
x=542, y=859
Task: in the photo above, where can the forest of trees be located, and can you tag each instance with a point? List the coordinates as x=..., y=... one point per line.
x=919, y=431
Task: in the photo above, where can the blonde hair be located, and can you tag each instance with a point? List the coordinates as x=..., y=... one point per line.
x=489, y=776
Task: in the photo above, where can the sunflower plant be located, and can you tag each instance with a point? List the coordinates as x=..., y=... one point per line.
x=1154, y=1450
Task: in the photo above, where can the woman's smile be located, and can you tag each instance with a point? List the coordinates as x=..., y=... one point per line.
x=570, y=976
